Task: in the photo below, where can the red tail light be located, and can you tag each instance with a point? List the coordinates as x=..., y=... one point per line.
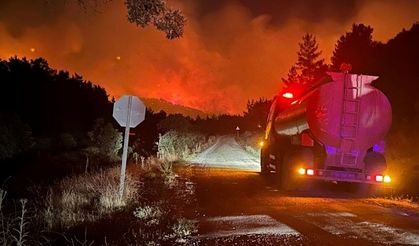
x=288, y=95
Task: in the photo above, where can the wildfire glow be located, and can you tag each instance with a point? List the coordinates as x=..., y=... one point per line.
x=211, y=71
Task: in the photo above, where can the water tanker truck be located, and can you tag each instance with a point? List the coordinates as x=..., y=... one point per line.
x=332, y=131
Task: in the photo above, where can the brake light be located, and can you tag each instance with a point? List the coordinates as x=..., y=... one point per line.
x=288, y=95
x=310, y=172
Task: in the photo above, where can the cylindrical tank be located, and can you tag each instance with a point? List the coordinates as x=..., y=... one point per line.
x=347, y=108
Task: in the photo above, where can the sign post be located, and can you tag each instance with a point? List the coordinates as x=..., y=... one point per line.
x=237, y=131
x=128, y=111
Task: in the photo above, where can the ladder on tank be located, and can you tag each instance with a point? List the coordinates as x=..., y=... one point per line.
x=349, y=120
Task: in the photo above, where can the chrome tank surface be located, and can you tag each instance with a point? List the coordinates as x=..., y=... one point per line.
x=348, y=114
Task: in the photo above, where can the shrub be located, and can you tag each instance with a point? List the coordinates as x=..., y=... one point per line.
x=250, y=142
x=67, y=141
x=106, y=140
x=183, y=229
x=15, y=136
x=178, y=146
x=150, y=215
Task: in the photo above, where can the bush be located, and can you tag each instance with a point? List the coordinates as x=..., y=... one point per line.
x=183, y=229
x=250, y=142
x=106, y=140
x=15, y=136
x=150, y=215
x=177, y=146
x=67, y=141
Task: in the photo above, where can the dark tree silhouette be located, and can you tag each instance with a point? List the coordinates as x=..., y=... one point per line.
x=15, y=136
x=156, y=12
x=356, y=48
x=395, y=62
x=257, y=113
x=147, y=133
x=397, y=65
x=149, y=12
x=51, y=102
x=176, y=122
x=309, y=66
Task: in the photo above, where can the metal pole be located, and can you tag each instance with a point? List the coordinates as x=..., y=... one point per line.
x=125, y=150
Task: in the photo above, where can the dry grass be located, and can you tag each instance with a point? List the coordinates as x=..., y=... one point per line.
x=80, y=200
x=395, y=201
x=87, y=198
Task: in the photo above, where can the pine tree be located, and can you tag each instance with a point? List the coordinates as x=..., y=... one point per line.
x=309, y=67
x=292, y=76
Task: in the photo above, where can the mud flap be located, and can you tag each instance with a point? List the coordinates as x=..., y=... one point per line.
x=264, y=162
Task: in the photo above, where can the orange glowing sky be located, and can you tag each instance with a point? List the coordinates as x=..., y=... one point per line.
x=231, y=51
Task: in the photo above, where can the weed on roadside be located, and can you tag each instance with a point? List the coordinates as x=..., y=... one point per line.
x=162, y=218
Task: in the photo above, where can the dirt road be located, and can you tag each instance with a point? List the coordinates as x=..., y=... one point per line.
x=243, y=208
x=226, y=152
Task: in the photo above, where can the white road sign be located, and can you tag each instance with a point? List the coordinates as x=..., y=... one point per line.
x=129, y=104
x=129, y=111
